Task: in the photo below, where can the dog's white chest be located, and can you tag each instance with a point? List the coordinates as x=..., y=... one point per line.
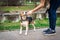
x=25, y=23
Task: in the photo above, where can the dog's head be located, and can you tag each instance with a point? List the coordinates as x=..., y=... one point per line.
x=23, y=15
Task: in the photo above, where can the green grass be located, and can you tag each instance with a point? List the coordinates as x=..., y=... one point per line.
x=58, y=22
x=41, y=23
x=9, y=26
x=27, y=3
x=14, y=8
x=38, y=23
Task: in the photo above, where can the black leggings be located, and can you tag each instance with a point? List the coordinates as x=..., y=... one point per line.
x=54, y=4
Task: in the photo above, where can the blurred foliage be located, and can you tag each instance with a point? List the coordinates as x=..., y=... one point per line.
x=14, y=8
x=16, y=25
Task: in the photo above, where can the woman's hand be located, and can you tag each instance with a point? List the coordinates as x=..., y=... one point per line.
x=30, y=12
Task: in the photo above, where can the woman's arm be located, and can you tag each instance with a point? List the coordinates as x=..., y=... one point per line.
x=42, y=2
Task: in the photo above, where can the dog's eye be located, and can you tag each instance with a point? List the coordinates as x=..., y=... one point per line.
x=24, y=12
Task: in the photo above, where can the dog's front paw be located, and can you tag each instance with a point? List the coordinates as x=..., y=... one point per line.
x=34, y=29
x=20, y=32
x=25, y=33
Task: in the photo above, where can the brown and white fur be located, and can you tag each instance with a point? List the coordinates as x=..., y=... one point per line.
x=25, y=22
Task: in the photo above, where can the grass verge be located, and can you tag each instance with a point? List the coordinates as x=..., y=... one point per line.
x=39, y=24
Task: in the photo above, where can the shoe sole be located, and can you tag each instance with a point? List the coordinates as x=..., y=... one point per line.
x=50, y=34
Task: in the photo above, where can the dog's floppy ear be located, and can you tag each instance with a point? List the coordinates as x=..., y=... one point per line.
x=22, y=13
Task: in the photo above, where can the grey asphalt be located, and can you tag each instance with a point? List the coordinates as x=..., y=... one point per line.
x=32, y=35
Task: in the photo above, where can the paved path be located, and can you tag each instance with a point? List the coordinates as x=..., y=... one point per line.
x=37, y=35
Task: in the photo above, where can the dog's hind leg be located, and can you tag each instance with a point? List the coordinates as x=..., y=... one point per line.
x=20, y=29
x=34, y=27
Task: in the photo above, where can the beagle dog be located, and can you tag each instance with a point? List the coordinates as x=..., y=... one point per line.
x=25, y=21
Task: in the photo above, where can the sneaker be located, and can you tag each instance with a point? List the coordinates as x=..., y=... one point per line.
x=49, y=32
x=46, y=30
